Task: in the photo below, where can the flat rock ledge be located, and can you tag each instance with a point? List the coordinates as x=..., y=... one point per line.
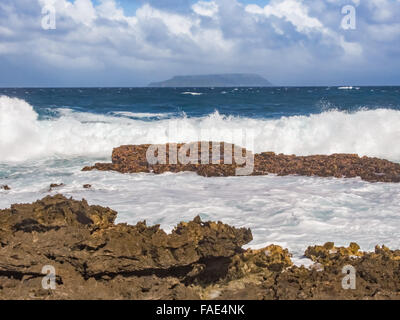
x=94, y=258
x=132, y=159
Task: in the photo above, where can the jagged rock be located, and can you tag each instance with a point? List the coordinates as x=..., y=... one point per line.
x=56, y=185
x=5, y=187
x=82, y=243
x=273, y=258
x=335, y=165
x=328, y=252
x=94, y=258
x=132, y=159
x=377, y=277
x=376, y=274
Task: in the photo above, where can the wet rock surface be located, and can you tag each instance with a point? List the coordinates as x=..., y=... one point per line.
x=94, y=258
x=335, y=165
x=55, y=186
x=178, y=158
x=132, y=159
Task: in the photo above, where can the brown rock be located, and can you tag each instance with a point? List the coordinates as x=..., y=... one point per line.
x=273, y=258
x=132, y=159
x=88, y=249
x=328, y=252
x=96, y=259
x=56, y=185
x=5, y=187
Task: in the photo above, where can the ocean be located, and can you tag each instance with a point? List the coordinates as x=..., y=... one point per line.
x=48, y=135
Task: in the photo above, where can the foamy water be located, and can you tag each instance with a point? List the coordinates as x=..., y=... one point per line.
x=290, y=211
x=76, y=134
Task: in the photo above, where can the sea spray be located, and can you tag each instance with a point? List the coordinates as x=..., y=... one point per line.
x=79, y=134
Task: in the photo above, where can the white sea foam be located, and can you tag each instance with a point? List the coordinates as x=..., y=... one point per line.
x=349, y=88
x=141, y=114
x=345, y=88
x=290, y=211
x=193, y=93
x=23, y=137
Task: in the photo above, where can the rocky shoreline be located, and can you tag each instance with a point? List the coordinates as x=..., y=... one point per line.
x=94, y=258
x=132, y=159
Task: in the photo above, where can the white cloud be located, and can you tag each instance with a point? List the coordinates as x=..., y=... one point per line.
x=6, y=32
x=297, y=13
x=284, y=38
x=382, y=10
x=351, y=48
x=176, y=24
x=203, y=8
x=293, y=11
x=384, y=32
x=80, y=11
x=108, y=9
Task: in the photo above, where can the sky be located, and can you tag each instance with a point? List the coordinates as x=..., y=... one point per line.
x=131, y=43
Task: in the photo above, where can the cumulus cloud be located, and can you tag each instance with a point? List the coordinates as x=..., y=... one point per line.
x=98, y=43
x=203, y=8
x=290, y=10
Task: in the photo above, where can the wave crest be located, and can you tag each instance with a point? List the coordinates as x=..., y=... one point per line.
x=23, y=137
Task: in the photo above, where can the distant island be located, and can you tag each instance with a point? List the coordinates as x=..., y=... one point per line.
x=214, y=80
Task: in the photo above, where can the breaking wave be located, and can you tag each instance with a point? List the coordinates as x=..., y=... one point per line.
x=73, y=134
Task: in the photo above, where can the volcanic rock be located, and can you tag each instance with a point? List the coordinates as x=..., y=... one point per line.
x=178, y=158
x=328, y=252
x=84, y=245
x=132, y=159
x=94, y=258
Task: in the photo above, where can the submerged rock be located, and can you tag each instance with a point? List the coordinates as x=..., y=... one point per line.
x=132, y=159
x=94, y=258
x=55, y=185
x=5, y=187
